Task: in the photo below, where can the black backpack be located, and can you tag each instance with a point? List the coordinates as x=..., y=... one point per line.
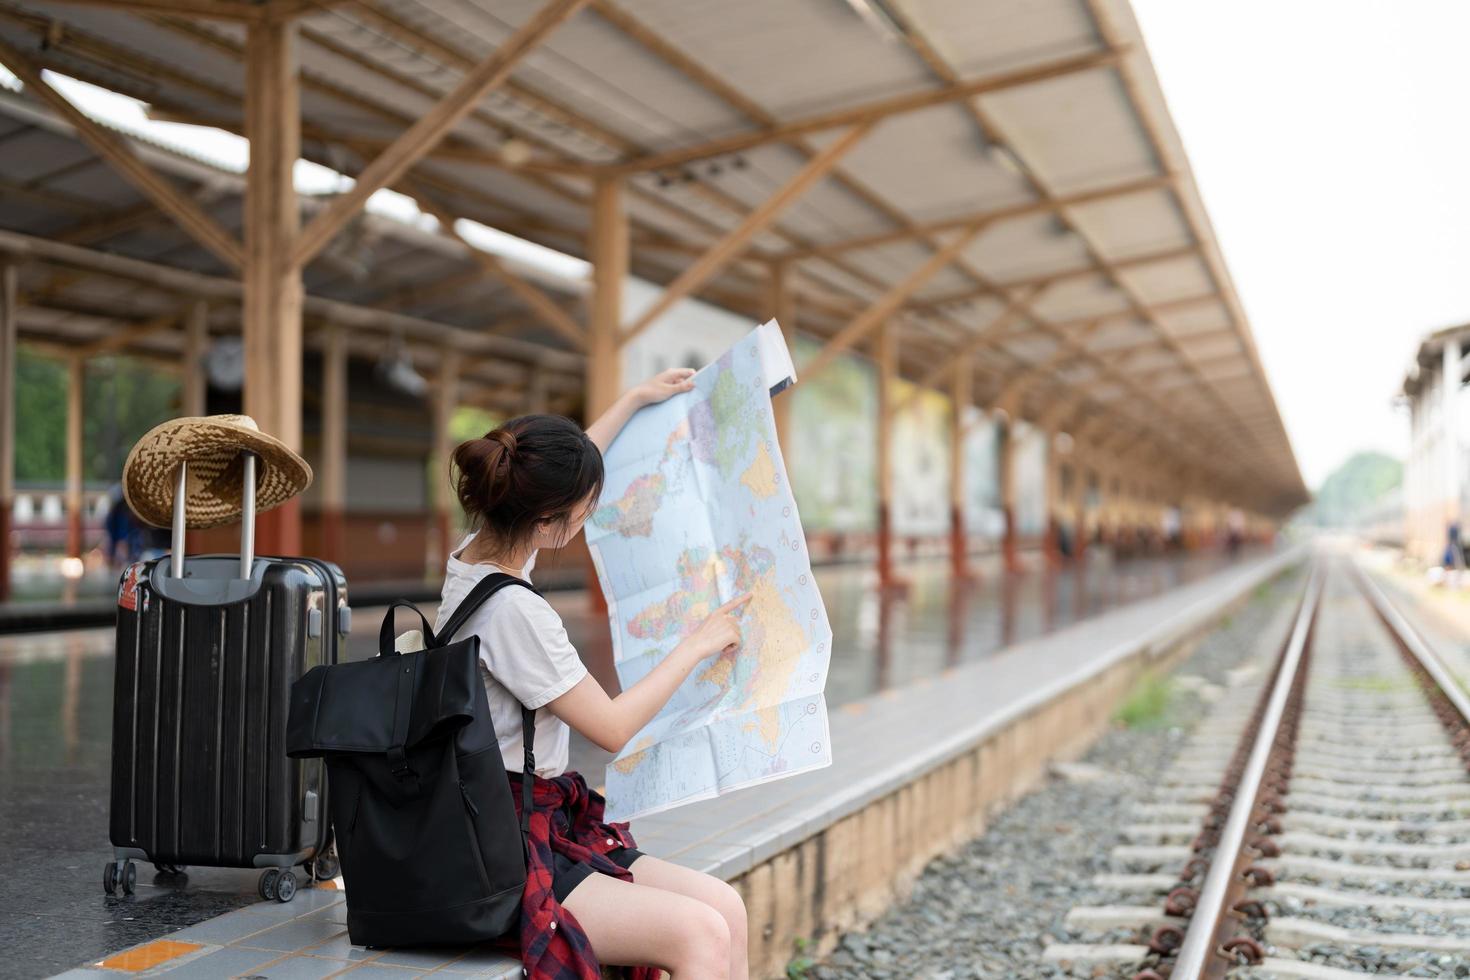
x=425, y=827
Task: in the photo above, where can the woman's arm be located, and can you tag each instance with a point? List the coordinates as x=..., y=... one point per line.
x=663, y=385
x=611, y=722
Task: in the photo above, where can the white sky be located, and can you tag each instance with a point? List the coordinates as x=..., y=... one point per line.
x=1330, y=142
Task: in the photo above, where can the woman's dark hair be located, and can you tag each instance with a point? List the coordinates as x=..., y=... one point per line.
x=532, y=468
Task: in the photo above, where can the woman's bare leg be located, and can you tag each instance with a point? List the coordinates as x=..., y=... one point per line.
x=638, y=925
x=707, y=889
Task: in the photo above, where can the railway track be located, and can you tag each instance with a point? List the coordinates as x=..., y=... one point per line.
x=1317, y=825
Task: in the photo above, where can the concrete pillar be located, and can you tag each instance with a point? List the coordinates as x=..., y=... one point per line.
x=960, y=400
x=9, y=314
x=783, y=308
x=887, y=356
x=334, y=444
x=446, y=399
x=1450, y=443
x=609, y=255
x=196, y=342
x=76, y=380
x=272, y=281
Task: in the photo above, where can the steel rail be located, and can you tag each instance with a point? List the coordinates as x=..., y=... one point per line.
x=1409, y=637
x=1200, y=941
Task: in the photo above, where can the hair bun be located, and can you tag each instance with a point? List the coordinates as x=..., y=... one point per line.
x=506, y=439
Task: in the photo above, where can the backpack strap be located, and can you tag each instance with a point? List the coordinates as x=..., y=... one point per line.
x=478, y=596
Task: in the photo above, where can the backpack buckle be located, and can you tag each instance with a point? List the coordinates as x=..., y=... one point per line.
x=398, y=763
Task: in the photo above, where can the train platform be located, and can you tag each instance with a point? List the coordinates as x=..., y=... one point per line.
x=942, y=666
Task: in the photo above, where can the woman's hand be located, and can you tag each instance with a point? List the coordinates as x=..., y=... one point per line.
x=664, y=385
x=719, y=632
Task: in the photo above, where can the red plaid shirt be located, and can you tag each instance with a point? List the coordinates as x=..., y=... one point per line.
x=567, y=821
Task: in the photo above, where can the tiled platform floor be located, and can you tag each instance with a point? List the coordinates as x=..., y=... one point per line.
x=55, y=707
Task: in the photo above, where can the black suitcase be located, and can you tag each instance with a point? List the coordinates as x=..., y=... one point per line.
x=206, y=657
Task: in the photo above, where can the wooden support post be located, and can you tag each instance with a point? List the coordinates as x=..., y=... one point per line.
x=76, y=380
x=1008, y=494
x=196, y=342
x=782, y=307
x=334, y=445
x=961, y=400
x=1079, y=505
x=272, y=281
x=446, y=400
x=608, y=250
x=1050, y=491
x=9, y=324
x=609, y=253
x=887, y=351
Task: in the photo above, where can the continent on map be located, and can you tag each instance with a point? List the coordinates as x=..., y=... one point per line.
x=724, y=423
x=632, y=513
x=696, y=595
x=760, y=476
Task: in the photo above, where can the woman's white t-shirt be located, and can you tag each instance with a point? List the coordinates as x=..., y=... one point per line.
x=525, y=658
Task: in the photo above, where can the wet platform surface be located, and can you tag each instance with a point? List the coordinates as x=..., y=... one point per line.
x=55, y=724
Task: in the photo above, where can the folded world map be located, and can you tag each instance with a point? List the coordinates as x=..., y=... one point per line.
x=696, y=510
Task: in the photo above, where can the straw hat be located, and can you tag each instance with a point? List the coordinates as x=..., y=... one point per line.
x=214, y=491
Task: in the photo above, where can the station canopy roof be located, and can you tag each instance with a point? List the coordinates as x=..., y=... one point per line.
x=1000, y=180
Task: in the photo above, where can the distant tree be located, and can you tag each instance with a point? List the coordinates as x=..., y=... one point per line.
x=40, y=430
x=125, y=398
x=1353, y=486
x=122, y=399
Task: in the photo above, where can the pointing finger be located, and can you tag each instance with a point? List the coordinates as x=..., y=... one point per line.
x=736, y=603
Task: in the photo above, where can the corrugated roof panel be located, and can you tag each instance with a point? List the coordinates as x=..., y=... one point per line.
x=32, y=154
x=1076, y=131
x=791, y=58
x=1024, y=247
x=825, y=212
x=1199, y=318
x=978, y=38
x=1075, y=299
x=956, y=176
x=1119, y=334
x=1032, y=346
x=140, y=37
x=1178, y=278
x=1133, y=224
x=1210, y=346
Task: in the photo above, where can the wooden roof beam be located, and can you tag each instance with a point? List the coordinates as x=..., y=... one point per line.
x=118, y=152
x=757, y=221
x=1009, y=212
x=207, y=9
x=432, y=127
x=545, y=308
x=869, y=112
x=885, y=306
x=129, y=335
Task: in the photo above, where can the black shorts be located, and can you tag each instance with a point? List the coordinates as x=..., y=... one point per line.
x=565, y=875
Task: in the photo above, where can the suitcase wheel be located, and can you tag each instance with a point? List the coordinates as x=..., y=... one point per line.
x=170, y=870
x=277, y=885
x=325, y=866
x=122, y=874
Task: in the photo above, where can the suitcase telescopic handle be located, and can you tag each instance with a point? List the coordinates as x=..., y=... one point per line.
x=247, y=519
